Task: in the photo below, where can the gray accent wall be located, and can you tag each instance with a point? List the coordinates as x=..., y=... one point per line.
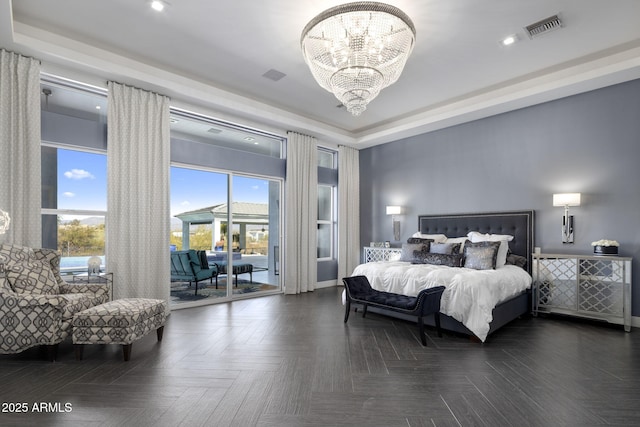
x=587, y=143
x=75, y=131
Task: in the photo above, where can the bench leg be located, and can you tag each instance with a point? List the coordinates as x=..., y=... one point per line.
x=196, y=293
x=236, y=279
x=251, y=277
x=159, y=332
x=436, y=316
x=79, y=349
x=126, y=351
x=364, y=309
x=347, y=308
x=423, y=338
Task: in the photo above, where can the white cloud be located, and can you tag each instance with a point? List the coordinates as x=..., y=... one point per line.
x=185, y=203
x=255, y=187
x=78, y=174
x=68, y=194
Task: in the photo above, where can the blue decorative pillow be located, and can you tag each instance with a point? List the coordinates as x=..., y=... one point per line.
x=450, y=260
x=481, y=255
x=445, y=248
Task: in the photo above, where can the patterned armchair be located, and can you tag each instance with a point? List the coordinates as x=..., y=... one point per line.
x=36, y=304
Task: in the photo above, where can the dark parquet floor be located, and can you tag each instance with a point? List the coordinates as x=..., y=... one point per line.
x=290, y=361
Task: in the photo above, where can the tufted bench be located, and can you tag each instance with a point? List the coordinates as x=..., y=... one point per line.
x=427, y=302
x=121, y=321
x=238, y=268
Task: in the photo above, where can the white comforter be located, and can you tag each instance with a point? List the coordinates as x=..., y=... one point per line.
x=470, y=295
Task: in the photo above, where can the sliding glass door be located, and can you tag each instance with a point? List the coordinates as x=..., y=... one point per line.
x=194, y=195
x=226, y=185
x=240, y=246
x=256, y=234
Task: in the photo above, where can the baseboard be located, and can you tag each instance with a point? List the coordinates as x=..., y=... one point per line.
x=326, y=284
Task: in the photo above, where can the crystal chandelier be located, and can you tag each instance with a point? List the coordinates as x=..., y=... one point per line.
x=357, y=49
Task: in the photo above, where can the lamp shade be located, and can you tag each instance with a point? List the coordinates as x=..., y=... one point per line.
x=394, y=210
x=566, y=199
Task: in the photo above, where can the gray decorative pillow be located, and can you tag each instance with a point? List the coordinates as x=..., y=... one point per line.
x=445, y=248
x=32, y=277
x=425, y=242
x=517, y=260
x=408, y=249
x=481, y=255
x=450, y=260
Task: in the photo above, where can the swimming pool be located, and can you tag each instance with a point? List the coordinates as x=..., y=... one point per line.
x=77, y=263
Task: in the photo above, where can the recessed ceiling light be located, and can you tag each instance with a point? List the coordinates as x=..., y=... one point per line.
x=509, y=40
x=249, y=138
x=157, y=5
x=97, y=107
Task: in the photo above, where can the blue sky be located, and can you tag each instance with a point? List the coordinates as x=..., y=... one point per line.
x=192, y=189
x=82, y=180
x=82, y=184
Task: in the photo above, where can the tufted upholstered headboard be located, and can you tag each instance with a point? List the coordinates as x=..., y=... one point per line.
x=519, y=224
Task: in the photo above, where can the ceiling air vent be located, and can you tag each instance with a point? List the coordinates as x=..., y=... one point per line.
x=214, y=130
x=274, y=75
x=543, y=27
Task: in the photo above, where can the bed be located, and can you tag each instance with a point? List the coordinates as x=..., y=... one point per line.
x=467, y=307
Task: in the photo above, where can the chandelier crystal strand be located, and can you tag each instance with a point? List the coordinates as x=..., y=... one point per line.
x=357, y=49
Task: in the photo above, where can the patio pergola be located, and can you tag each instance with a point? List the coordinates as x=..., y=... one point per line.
x=243, y=214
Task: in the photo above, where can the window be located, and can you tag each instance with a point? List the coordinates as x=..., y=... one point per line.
x=326, y=158
x=74, y=172
x=74, y=197
x=214, y=166
x=327, y=190
x=326, y=224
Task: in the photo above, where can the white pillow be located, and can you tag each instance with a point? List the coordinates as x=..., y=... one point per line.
x=437, y=238
x=504, y=240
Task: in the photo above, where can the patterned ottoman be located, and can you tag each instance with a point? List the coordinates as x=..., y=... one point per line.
x=122, y=321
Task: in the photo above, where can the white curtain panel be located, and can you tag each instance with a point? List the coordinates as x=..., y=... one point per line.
x=20, y=188
x=301, y=214
x=138, y=192
x=348, y=211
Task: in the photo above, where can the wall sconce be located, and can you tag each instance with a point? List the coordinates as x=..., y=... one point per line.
x=395, y=210
x=565, y=200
